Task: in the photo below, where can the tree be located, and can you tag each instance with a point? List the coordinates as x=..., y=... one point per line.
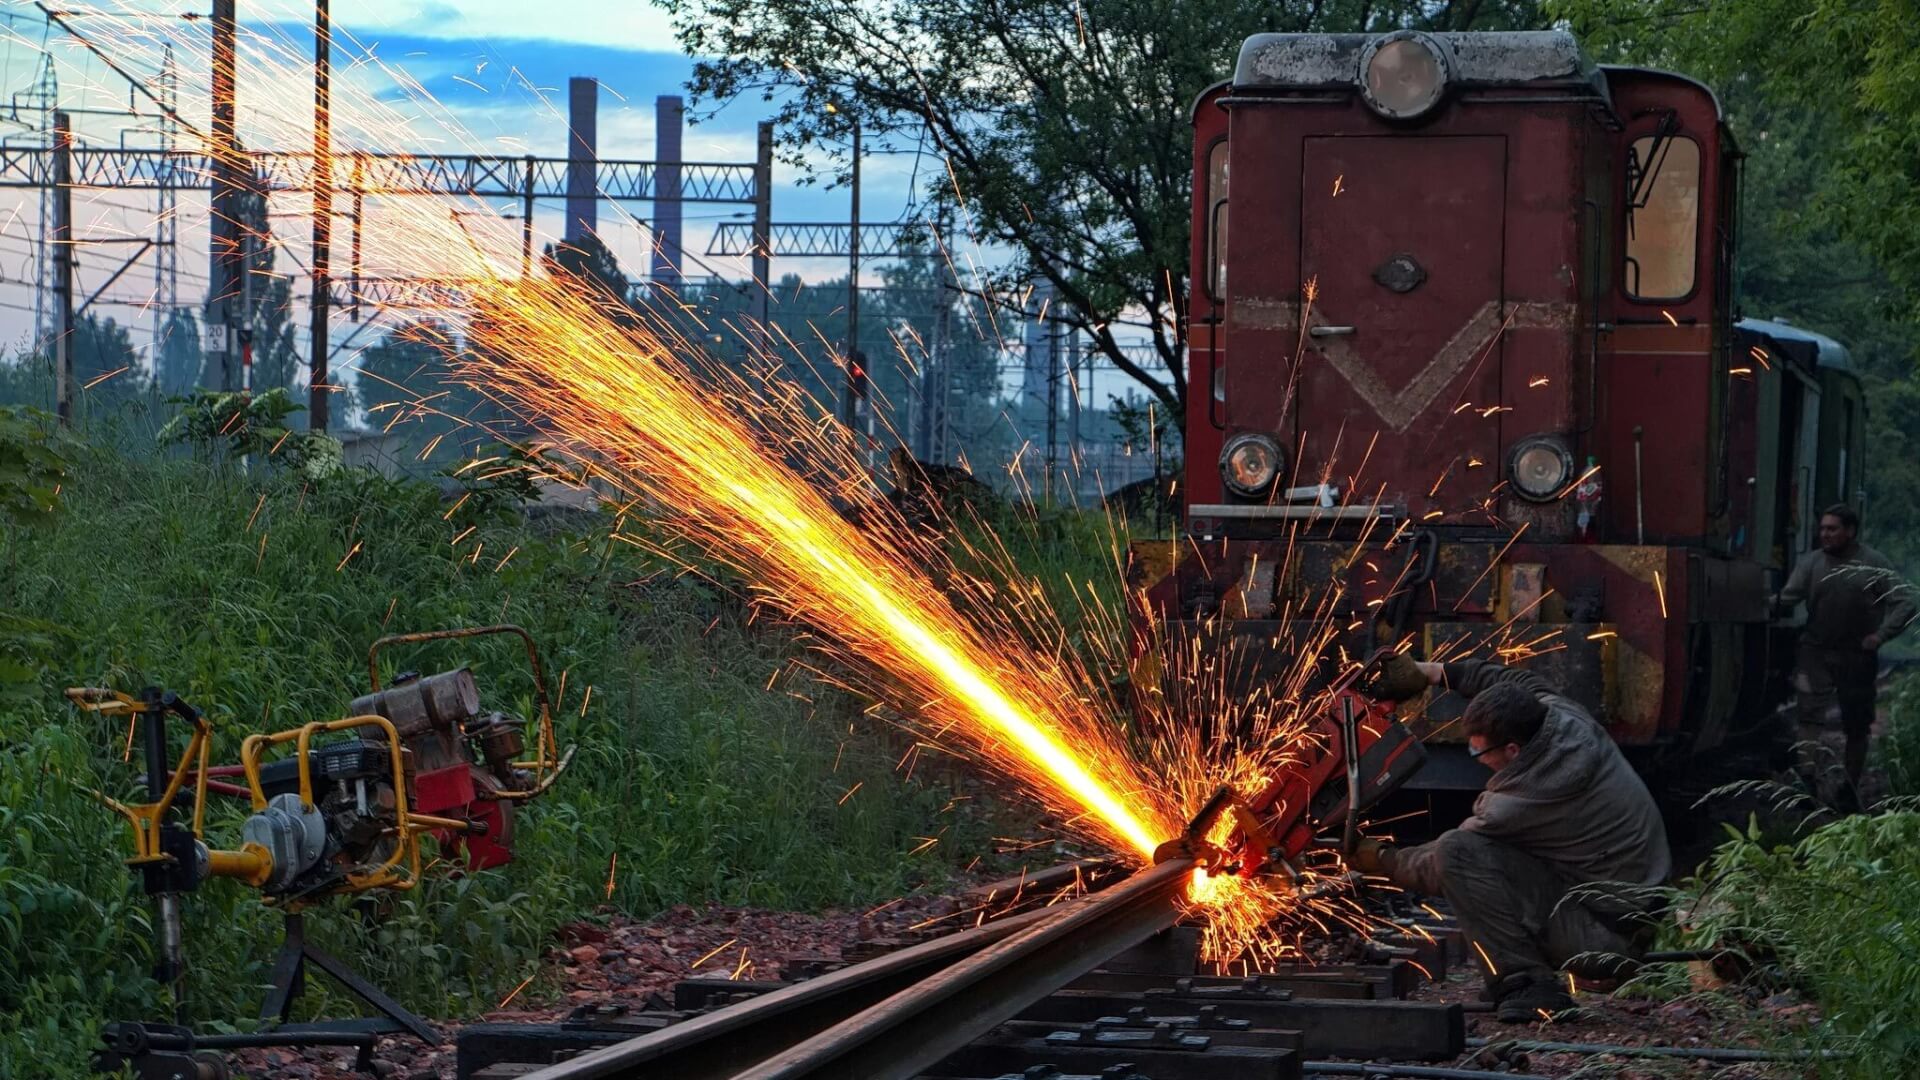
x=276, y=361
x=406, y=384
x=1064, y=127
x=105, y=367
x=178, y=359
x=591, y=262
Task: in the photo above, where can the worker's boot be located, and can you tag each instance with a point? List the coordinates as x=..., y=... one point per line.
x=1529, y=996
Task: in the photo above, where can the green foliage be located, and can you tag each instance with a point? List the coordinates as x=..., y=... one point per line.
x=31, y=467
x=235, y=425
x=72, y=933
x=1898, y=751
x=1067, y=134
x=255, y=594
x=178, y=359
x=406, y=382
x=1837, y=909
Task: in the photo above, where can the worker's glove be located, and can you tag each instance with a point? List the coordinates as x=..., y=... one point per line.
x=1395, y=677
x=1370, y=856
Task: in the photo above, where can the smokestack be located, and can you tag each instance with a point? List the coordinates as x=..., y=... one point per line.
x=668, y=114
x=583, y=157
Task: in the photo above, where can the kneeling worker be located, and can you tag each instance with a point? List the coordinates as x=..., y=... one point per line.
x=1562, y=809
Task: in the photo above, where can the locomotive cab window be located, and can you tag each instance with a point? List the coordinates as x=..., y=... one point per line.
x=1663, y=216
x=1217, y=221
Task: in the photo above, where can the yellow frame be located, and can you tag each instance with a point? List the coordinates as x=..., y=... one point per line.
x=407, y=826
x=146, y=817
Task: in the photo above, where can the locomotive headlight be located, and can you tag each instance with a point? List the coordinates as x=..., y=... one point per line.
x=1250, y=463
x=1539, y=467
x=1403, y=74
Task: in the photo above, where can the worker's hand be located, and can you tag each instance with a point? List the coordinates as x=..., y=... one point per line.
x=1397, y=677
x=1871, y=643
x=1369, y=856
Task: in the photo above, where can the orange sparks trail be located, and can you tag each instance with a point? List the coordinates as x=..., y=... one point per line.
x=719, y=466
x=619, y=397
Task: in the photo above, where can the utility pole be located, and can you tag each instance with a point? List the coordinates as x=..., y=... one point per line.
x=943, y=341
x=1053, y=404
x=763, y=225
x=847, y=402
x=359, y=206
x=929, y=379
x=63, y=266
x=317, y=389
x=1073, y=401
x=526, y=219
x=228, y=271
x=44, y=98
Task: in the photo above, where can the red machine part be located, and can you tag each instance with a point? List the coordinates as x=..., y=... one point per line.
x=465, y=791
x=1279, y=823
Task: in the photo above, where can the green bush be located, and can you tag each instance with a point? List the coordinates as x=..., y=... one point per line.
x=1836, y=912
x=1899, y=749
x=255, y=594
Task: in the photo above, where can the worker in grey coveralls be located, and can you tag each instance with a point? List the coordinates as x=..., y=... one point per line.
x=1855, y=604
x=1562, y=810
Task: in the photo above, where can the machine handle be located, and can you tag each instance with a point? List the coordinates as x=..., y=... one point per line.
x=1331, y=331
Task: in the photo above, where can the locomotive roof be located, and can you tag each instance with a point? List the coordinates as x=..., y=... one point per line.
x=1828, y=353
x=1506, y=58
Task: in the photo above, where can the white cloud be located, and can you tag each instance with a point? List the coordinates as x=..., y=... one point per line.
x=619, y=24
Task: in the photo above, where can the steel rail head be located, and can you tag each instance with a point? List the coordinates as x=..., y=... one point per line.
x=913, y=1030
x=722, y=1042
x=894, y=1015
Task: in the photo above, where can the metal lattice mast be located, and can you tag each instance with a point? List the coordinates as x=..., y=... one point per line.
x=166, y=233
x=43, y=96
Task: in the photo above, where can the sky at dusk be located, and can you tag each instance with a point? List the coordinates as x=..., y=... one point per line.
x=498, y=73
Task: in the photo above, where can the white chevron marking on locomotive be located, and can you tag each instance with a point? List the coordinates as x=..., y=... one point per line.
x=1400, y=409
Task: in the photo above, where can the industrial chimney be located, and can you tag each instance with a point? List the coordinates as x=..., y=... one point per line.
x=669, y=113
x=583, y=158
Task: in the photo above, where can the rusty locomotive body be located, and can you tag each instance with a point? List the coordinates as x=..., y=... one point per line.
x=1440, y=280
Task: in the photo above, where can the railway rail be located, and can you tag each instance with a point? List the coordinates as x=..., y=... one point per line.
x=1105, y=985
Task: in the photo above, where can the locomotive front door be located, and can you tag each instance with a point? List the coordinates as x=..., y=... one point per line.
x=1401, y=238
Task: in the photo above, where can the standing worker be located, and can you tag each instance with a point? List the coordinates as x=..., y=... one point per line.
x=1855, y=604
x=1562, y=810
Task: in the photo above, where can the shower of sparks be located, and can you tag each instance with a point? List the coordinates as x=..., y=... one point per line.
x=735, y=468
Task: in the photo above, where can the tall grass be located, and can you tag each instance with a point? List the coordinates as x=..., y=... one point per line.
x=1832, y=914
x=1898, y=751
x=255, y=596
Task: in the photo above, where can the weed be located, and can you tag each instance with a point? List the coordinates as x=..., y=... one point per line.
x=254, y=595
x=1835, y=910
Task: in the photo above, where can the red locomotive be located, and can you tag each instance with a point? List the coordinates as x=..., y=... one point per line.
x=1447, y=289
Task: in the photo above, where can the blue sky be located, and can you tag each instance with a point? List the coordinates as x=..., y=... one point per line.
x=497, y=69
x=487, y=64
